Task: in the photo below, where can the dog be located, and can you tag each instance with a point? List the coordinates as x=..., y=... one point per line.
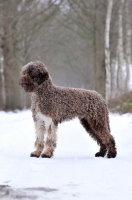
x=51, y=105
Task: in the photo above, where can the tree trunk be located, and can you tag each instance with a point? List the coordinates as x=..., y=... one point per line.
x=114, y=78
x=2, y=85
x=95, y=50
x=120, y=87
x=11, y=76
x=11, y=70
x=98, y=55
x=128, y=46
x=107, y=51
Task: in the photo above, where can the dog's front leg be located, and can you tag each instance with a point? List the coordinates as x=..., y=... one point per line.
x=39, y=143
x=50, y=142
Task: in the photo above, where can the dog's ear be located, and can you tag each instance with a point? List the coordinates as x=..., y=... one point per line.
x=43, y=72
x=43, y=76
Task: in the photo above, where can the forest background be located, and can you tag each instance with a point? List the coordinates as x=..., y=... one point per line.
x=86, y=44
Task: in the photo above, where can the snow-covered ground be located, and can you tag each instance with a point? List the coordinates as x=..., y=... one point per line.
x=73, y=172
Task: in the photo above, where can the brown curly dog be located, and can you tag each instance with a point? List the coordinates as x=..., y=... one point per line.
x=52, y=104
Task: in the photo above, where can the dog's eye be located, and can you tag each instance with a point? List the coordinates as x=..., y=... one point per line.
x=32, y=71
x=34, y=75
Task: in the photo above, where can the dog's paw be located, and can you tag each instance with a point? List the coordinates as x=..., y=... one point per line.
x=35, y=154
x=111, y=154
x=46, y=155
x=99, y=154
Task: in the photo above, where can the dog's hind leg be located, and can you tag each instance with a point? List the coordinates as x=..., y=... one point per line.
x=91, y=132
x=111, y=148
x=104, y=139
x=50, y=142
x=39, y=143
x=103, y=131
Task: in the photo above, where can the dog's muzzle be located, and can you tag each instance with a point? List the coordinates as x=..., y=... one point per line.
x=24, y=80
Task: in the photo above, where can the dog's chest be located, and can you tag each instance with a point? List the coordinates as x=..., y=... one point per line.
x=46, y=119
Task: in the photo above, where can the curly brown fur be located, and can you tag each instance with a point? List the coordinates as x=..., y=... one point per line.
x=52, y=104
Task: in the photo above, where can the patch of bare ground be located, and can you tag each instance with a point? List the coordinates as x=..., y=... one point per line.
x=8, y=193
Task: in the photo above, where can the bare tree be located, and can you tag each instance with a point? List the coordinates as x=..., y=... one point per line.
x=128, y=45
x=20, y=21
x=120, y=50
x=107, y=50
x=2, y=83
x=87, y=19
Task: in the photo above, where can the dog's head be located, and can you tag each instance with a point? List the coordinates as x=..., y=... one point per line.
x=33, y=75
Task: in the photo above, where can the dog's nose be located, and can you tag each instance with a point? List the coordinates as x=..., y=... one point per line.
x=22, y=80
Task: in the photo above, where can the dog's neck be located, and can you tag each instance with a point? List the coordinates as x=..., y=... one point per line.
x=45, y=86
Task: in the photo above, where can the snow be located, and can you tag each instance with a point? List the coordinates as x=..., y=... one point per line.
x=73, y=172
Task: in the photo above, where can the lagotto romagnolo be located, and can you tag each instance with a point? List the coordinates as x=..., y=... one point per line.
x=51, y=105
